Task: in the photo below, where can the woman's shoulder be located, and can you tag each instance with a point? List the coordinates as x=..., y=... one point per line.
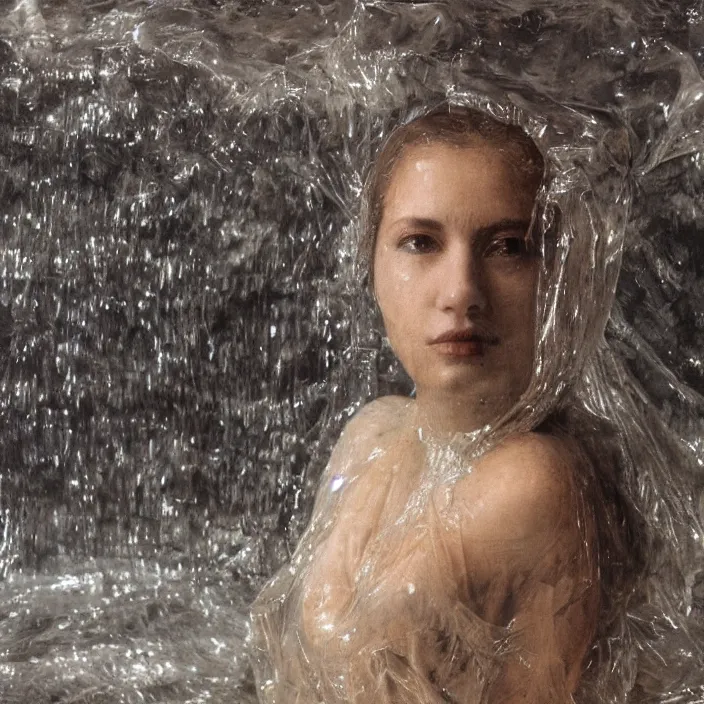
x=378, y=418
x=386, y=406
x=528, y=484
x=371, y=429
x=386, y=411
x=534, y=457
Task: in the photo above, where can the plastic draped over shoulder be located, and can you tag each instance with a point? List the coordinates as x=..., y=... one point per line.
x=381, y=603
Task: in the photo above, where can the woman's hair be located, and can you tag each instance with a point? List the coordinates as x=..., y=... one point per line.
x=447, y=124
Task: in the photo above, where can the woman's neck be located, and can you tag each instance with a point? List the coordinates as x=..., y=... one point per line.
x=443, y=415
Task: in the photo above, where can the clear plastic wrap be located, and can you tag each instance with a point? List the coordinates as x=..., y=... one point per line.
x=184, y=331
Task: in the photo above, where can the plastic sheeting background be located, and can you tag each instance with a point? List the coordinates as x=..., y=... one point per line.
x=181, y=329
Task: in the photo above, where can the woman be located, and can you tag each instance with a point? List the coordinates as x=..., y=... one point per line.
x=435, y=569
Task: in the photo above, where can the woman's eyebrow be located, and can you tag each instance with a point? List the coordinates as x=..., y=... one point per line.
x=413, y=223
x=507, y=224
x=429, y=224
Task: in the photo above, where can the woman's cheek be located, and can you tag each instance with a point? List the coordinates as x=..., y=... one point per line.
x=394, y=280
x=405, y=272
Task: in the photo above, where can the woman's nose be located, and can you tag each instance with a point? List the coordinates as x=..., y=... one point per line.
x=461, y=288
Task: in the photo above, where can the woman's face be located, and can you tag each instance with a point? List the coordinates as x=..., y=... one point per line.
x=454, y=274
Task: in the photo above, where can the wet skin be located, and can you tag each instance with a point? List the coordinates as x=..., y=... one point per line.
x=509, y=539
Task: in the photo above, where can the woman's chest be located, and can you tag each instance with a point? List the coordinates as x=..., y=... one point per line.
x=392, y=562
x=391, y=610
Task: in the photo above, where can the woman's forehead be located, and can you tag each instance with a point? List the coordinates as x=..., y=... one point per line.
x=443, y=175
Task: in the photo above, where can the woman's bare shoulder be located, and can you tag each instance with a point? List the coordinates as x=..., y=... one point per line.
x=527, y=491
x=535, y=461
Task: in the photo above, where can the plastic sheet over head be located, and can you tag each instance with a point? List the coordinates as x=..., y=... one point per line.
x=185, y=331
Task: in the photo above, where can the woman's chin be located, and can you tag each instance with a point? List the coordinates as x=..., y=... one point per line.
x=481, y=398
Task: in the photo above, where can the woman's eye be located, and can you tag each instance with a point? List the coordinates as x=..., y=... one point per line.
x=508, y=247
x=419, y=244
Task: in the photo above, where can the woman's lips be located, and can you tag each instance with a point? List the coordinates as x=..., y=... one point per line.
x=462, y=343
x=460, y=348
